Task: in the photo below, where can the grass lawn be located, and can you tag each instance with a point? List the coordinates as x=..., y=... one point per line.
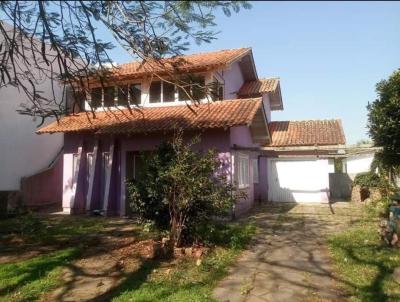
x=62, y=241
x=363, y=263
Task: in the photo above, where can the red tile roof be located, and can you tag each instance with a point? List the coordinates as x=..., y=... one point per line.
x=189, y=63
x=257, y=88
x=306, y=133
x=221, y=114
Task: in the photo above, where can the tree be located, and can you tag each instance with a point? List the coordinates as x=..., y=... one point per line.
x=384, y=121
x=60, y=39
x=180, y=189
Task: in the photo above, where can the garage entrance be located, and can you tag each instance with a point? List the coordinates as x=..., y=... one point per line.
x=298, y=180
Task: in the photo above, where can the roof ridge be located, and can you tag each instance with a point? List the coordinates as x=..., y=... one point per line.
x=310, y=120
x=186, y=55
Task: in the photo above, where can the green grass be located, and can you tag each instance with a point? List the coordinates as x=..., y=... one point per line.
x=28, y=280
x=363, y=263
x=169, y=280
x=40, y=230
x=186, y=281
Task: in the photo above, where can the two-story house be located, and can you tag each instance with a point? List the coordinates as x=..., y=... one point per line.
x=101, y=150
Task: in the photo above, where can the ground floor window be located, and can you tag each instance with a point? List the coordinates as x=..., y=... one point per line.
x=243, y=171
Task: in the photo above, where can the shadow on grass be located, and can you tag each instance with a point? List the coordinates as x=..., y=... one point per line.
x=17, y=275
x=377, y=288
x=131, y=282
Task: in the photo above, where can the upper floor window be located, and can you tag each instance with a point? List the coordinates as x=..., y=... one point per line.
x=217, y=90
x=111, y=96
x=187, y=88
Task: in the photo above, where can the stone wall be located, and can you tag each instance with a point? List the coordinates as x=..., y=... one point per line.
x=366, y=195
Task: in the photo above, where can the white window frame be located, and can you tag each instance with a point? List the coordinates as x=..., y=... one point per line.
x=116, y=106
x=243, y=172
x=256, y=177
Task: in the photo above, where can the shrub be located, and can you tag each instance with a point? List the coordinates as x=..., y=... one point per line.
x=368, y=180
x=179, y=189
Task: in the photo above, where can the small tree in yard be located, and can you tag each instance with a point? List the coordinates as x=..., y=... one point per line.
x=180, y=188
x=384, y=123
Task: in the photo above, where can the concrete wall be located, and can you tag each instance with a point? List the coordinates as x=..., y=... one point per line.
x=23, y=152
x=358, y=163
x=44, y=188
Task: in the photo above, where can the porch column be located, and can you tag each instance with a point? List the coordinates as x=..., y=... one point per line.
x=92, y=174
x=108, y=179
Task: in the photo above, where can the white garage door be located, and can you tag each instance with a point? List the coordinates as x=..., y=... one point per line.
x=298, y=180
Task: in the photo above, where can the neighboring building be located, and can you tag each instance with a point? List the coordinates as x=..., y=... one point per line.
x=278, y=161
x=358, y=159
x=23, y=153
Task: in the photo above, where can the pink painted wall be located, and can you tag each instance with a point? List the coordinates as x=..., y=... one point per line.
x=45, y=187
x=233, y=80
x=212, y=139
x=240, y=137
x=263, y=176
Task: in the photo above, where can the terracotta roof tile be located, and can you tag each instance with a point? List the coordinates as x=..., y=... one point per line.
x=306, y=133
x=189, y=63
x=258, y=87
x=221, y=114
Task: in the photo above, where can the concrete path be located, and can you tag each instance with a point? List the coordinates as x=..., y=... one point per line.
x=289, y=260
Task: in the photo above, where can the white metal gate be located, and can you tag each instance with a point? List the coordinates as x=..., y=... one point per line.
x=298, y=180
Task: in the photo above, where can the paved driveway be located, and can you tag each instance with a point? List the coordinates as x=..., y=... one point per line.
x=289, y=260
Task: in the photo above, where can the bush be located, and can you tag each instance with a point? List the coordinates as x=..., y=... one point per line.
x=179, y=189
x=368, y=180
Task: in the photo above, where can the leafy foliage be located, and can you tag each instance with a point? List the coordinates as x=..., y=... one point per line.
x=180, y=189
x=369, y=180
x=61, y=39
x=384, y=120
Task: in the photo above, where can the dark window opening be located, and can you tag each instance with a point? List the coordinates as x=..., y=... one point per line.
x=109, y=96
x=122, y=95
x=135, y=92
x=155, y=92
x=168, y=92
x=95, y=96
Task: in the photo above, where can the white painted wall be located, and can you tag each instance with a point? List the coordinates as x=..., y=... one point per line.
x=22, y=152
x=358, y=163
x=298, y=180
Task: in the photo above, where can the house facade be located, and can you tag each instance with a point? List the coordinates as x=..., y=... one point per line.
x=140, y=107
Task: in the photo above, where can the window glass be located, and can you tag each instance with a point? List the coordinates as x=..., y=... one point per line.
x=220, y=92
x=75, y=166
x=122, y=95
x=182, y=94
x=168, y=92
x=135, y=93
x=243, y=171
x=109, y=95
x=155, y=92
x=198, y=88
x=217, y=90
x=95, y=95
